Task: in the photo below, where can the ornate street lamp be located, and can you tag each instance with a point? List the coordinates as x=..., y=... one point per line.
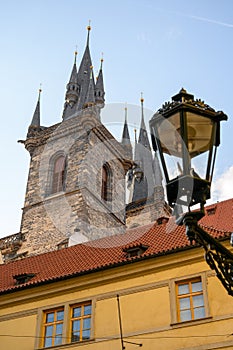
x=186, y=133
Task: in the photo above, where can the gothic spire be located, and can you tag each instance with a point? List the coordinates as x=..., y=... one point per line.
x=72, y=91
x=35, y=123
x=99, y=87
x=125, y=141
x=83, y=76
x=143, y=137
x=73, y=76
x=90, y=96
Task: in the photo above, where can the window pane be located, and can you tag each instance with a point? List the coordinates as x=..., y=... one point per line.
x=196, y=287
x=75, y=337
x=185, y=315
x=77, y=311
x=60, y=315
x=59, y=328
x=76, y=325
x=50, y=317
x=199, y=312
x=183, y=289
x=58, y=340
x=48, y=342
x=87, y=309
x=184, y=303
x=86, y=334
x=49, y=331
x=198, y=300
x=86, y=323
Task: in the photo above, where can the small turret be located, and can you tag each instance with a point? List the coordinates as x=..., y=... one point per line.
x=72, y=87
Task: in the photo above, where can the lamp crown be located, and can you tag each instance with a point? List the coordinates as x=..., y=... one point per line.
x=183, y=96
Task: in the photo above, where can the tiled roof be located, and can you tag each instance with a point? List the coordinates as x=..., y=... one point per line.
x=109, y=252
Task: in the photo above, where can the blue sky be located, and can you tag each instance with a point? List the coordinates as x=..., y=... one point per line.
x=150, y=45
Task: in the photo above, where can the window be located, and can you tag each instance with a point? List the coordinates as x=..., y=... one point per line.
x=190, y=300
x=106, y=190
x=53, y=327
x=81, y=322
x=58, y=178
x=65, y=324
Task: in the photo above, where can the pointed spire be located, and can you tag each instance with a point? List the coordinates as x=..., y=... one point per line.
x=83, y=76
x=125, y=135
x=72, y=91
x=125, y=141
x=143, y=137
x=99, y=88
x=36, y=116
x=73, y=76
x=90, y=97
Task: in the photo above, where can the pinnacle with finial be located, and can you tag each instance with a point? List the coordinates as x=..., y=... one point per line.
x=126, y=110
x=88, y=34
x=75, y=55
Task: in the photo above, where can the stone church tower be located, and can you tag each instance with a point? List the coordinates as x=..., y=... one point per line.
x=76, y=183
x=75, y=190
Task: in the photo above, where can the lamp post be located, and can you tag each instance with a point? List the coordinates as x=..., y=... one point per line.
x=186, y=133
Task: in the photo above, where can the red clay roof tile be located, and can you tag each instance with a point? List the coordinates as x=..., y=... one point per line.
x=107, y=252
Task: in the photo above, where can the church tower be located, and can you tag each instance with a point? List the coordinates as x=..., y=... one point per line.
x=76, y=188
x=76, y=183
x=146, y=198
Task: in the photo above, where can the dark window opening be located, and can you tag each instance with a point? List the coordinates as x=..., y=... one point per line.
x=211, y=211
x=135, y=251
x=58, y=180
x=106, y=190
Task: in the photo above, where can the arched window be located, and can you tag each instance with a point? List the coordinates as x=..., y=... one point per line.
x=106, y=191
x=58, y=178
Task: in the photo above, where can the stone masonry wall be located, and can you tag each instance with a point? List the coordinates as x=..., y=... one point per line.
x=78, y=213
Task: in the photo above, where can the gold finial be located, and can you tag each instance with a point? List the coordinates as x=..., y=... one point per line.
x=40, y=90
x=91, y=67
x=75, y=54
x=89, y=25
x=142, y=99
x=102, y=57
x=126, y=110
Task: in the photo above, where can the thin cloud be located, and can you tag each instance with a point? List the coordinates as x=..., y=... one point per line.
x=204, y=19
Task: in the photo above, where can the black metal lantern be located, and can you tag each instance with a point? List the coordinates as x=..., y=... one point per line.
x=186, y=132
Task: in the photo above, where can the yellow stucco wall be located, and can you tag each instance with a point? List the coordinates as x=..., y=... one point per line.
x=146, y=302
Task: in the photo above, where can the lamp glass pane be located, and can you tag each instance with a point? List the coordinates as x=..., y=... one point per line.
x=199, y=134
x=169, y=135
x=168, y=131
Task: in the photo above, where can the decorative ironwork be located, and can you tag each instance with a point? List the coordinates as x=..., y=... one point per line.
x=219, y=258
x=187, y=99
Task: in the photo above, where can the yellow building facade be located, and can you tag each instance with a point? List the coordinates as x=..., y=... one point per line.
x=172, y=301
